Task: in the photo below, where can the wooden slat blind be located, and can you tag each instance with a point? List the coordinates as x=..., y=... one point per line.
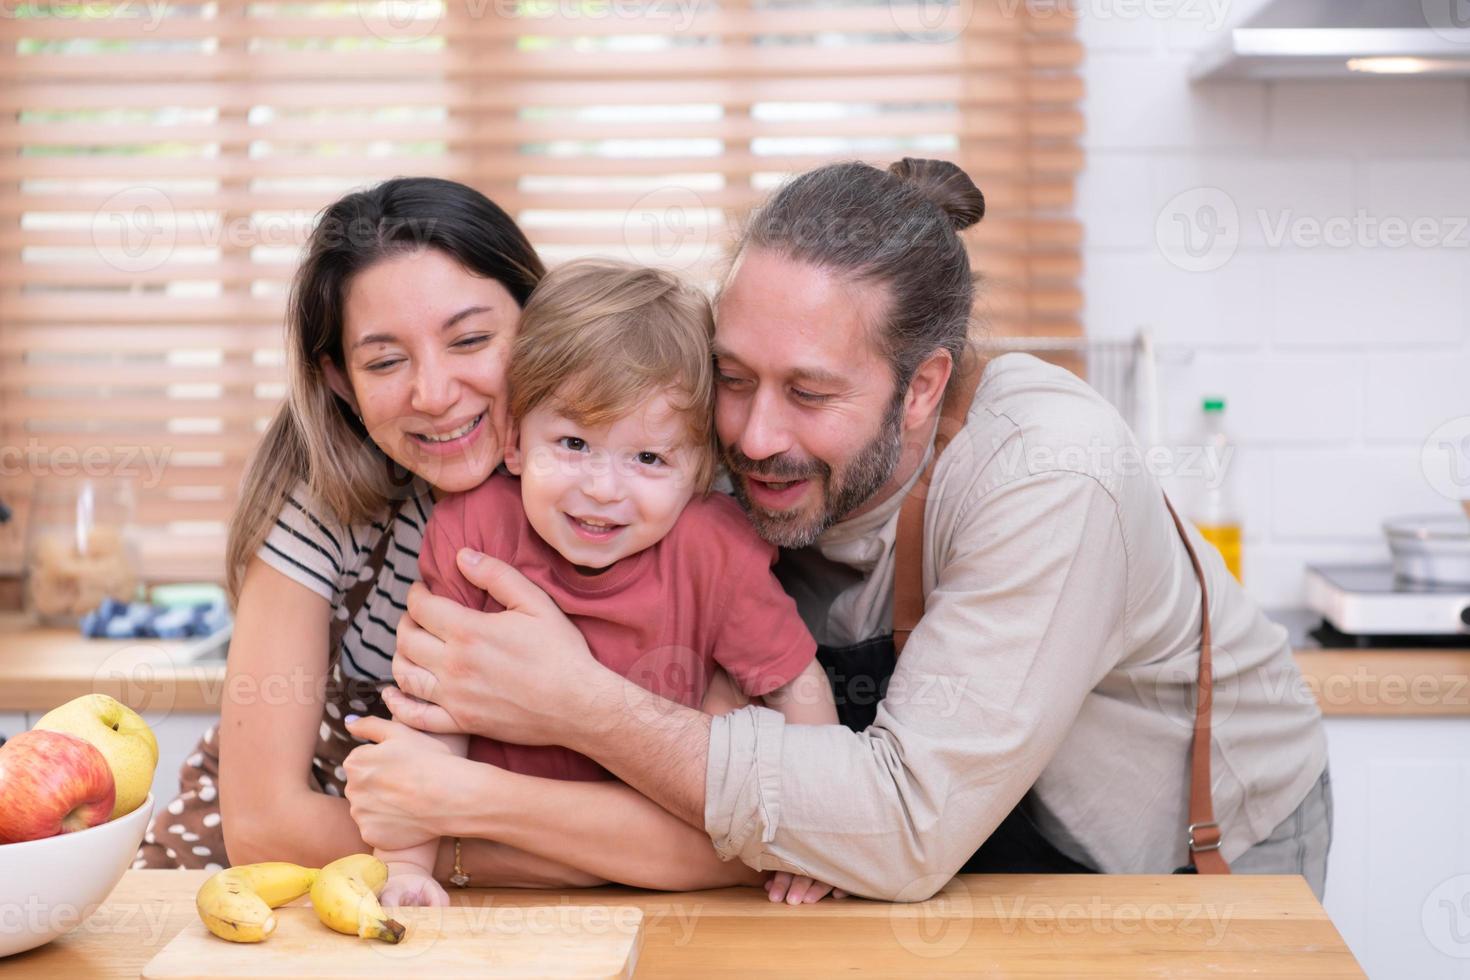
x=162, y=162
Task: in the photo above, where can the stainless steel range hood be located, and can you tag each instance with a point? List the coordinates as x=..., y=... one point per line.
x=1343, y=38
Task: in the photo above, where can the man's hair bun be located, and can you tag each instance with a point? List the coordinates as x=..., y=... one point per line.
x=946, y=186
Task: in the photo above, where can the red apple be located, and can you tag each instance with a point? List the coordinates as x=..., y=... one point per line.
x=51, y=783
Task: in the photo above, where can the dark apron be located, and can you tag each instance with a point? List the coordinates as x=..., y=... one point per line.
x=859, y=676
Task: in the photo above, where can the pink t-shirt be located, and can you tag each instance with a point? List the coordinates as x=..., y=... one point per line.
x=663, y=618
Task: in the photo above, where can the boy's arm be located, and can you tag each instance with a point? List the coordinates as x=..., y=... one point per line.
x=806, y=699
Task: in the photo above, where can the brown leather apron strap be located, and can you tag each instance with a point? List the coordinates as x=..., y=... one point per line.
x=908, y=608
x=908, y=574
x=1203, y=834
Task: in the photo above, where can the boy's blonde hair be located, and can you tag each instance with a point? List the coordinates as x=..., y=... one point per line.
x=597, y=337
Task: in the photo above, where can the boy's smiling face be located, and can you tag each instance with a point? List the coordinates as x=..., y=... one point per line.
x=598, y=494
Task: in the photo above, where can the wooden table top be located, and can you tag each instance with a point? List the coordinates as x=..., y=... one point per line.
x=1012, y=925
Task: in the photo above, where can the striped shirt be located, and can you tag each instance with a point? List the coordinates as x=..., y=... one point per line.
x=310, y=547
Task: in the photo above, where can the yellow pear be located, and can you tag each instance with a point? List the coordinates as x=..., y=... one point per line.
x=120, y=734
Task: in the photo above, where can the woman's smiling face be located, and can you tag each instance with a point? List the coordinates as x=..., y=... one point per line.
x=426, y=344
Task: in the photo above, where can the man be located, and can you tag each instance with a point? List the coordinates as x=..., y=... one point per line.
x=1043, y=702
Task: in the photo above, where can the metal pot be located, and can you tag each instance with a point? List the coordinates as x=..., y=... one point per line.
x=1430, y=548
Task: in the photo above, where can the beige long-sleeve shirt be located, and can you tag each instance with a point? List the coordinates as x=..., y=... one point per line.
x=1058, y=650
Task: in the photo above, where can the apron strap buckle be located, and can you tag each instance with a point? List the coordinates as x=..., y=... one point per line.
x=1207, y=841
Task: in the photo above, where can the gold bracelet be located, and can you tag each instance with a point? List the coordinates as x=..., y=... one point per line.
x=459, y=879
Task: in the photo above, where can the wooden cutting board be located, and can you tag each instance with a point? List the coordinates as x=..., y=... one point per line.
x=593, y=941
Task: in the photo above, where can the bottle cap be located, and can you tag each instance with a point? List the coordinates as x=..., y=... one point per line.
x=1214, y=404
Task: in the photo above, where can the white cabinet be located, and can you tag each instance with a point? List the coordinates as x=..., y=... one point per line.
x=12, y=723
x=1398, y=878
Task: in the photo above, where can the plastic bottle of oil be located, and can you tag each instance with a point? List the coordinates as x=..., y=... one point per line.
x=1216, y=513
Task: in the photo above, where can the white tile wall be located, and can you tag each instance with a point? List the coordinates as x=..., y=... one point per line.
x=1333, y=310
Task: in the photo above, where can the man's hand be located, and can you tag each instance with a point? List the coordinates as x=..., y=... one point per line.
x=523, y=675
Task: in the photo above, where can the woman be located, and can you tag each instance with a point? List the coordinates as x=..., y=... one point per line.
x=400, y=324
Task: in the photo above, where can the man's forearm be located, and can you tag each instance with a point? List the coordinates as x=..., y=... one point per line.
x=658, y=747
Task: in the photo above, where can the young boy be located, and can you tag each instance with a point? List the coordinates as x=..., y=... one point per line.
x=607, y=508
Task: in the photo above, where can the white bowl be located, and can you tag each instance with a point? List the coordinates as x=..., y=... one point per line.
x=50, y=886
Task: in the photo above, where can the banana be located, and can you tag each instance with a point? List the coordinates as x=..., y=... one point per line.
x=236, y=903
x=345, y=897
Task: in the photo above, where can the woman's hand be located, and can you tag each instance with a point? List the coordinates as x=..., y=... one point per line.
x=397, y=783
x=523, y=675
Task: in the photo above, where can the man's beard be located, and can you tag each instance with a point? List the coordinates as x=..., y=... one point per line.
x=862, y=477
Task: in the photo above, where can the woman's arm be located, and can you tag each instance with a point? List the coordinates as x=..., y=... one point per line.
x=404, y=787
x=270, y=711
x=491, y=864
x=606, y=829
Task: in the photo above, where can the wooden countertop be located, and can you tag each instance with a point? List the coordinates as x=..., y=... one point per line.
x=41, y=668
x=1377, y=681
x=1011, y=925
x=1388, y=683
